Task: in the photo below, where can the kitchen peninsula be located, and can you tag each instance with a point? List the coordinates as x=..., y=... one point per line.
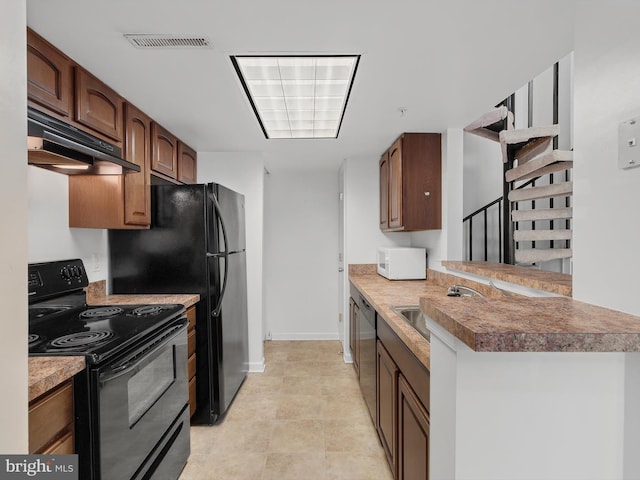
x=531, y=388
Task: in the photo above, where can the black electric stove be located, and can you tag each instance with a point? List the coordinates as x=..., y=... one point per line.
x=131, y=402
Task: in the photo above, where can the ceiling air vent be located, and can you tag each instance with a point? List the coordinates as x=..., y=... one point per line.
x=139, y=40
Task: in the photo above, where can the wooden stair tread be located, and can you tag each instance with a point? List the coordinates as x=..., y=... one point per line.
x=546, y=191
x=512, y=141
x=538, y=163
x=536, y=255
x=541, y=235
x=489, y=119
x=541, y=214
x=553, y=168
x=533, y=149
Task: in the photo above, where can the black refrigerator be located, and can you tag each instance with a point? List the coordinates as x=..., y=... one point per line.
x=196, y=244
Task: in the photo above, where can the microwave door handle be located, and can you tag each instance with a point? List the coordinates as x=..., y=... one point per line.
x=133, y=362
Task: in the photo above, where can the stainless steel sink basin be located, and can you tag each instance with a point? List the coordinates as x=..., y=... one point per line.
x=414, y=317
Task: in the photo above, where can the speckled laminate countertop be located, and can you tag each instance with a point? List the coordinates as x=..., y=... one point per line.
x=382, y=294
x=96, y=295
x=553, y=282
x=496, y=323
x=46, y=373
x=533, y=324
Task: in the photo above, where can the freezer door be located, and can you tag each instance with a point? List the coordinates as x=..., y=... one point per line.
x=227, y=227
x=229, y=323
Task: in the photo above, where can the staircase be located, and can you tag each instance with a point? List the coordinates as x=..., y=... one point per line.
x=531, y=162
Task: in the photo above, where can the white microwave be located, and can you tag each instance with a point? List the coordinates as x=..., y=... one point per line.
x=402, y=263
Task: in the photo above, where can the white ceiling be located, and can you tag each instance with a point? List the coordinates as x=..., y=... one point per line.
x=446, y=62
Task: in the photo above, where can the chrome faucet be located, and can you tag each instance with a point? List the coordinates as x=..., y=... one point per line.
x=463, y=291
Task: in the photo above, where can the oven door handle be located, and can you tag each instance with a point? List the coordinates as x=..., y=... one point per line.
x=132, y=362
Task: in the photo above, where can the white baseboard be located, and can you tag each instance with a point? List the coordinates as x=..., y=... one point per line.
x=257, y=367
x=305, y=336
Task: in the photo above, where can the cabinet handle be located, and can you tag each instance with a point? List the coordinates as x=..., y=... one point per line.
x=394, y=151
x=426, y=194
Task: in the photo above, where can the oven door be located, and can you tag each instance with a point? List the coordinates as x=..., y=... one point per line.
x=140, y=396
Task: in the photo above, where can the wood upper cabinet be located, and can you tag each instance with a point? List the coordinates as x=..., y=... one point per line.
x=49, y=76
x=117, y=201
x=410, y=183
x=384, y=191
x=187, y=164
x=164, y=151
x=51, y=426
x=413, y=435
x=137, y=143
x=98, y=107
x=387, y=394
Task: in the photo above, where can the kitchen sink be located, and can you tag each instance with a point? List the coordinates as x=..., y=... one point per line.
x=414, y=317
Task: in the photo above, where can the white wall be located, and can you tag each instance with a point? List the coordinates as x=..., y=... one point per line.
x=13, y=243
x=606, y=260
x=301, y=255
x=50, y=237
x=244, y=172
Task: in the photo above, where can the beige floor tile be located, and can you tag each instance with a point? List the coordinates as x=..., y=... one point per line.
x=296, y=436
x=299, y=407
x=233, y=436
x=345, y=435
x=304, y=385
x=237, y=466
x=295, y=466
x=357, y=466
x=344, y=406
x=304, y=418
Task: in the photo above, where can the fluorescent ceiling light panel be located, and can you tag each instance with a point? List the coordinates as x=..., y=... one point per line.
x=298, y=96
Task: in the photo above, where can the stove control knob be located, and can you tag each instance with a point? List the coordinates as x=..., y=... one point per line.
x=65, y=273
x=75, y=272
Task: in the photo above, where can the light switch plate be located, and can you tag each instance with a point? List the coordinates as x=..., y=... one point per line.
x=629, y=144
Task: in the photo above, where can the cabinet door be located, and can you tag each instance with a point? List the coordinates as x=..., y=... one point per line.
x=387, y=405
x=49, y=75
x=395, y=184
x=413, y=435
x=98, y=106
x=137, y=190
x=187, y=164
x=164, y=151
x=354, y=334
x=384, y=191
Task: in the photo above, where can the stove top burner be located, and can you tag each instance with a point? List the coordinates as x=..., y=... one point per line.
x=147, y=310
x=81, y=339
x=101, y=312
x=33, y=339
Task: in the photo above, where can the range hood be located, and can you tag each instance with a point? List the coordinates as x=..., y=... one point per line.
x=58, y=146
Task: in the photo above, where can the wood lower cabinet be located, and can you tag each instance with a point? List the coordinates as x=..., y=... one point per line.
x=49, y=76
x=191, y=359
x=410, y=183
x=187, y=164
x=413, y=434
x=354, y=334
x=164, y=151
x=387, y=393
x=403, y=406
x=51, y=421
x=98, y=107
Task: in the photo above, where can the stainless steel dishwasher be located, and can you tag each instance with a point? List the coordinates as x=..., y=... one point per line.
x=367, y=322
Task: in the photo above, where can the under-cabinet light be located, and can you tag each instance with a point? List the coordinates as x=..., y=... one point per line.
x=298, y=96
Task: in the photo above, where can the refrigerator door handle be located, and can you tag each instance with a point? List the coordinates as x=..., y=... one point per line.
x=216, y=311
x=216, y=206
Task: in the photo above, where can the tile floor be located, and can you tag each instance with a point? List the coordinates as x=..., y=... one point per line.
x=303, y=418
